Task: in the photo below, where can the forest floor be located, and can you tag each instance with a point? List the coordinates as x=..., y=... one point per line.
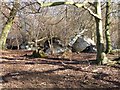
x=19, y=71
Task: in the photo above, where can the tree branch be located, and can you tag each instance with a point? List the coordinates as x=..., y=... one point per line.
x=78, y=5
x=92, y=13
x=50, y=4
x=92, y=4
x=4, y=14
x=29, y=4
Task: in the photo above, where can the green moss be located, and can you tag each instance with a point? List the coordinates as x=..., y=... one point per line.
x=38, y=54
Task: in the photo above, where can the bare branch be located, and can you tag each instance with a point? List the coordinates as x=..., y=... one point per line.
x=92, y=4
x=4, y=15
x=7, y=7
x=57, y=21
x=41, y=39
x=37, y=40
x=92, y=13
x=50, y=4
x=29, y=4
x=78, y=5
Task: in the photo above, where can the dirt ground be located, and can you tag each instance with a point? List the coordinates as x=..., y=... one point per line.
x=19, y=71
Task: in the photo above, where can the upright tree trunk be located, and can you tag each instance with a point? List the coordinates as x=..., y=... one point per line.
x=8, y=25
x=107, y=27
x=101, y=56
x=119, y=28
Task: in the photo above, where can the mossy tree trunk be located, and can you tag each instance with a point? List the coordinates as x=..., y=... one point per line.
x=8, y=25
x=101, y=57
x=107, y=28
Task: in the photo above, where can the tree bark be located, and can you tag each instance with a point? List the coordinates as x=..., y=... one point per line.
x=101, y=56
x=107, y=28
x=8, y=25
x=119, y=28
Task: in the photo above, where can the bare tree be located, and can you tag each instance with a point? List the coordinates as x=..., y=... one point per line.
x=107, y=27
x=101, y=57
x=8, y=24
